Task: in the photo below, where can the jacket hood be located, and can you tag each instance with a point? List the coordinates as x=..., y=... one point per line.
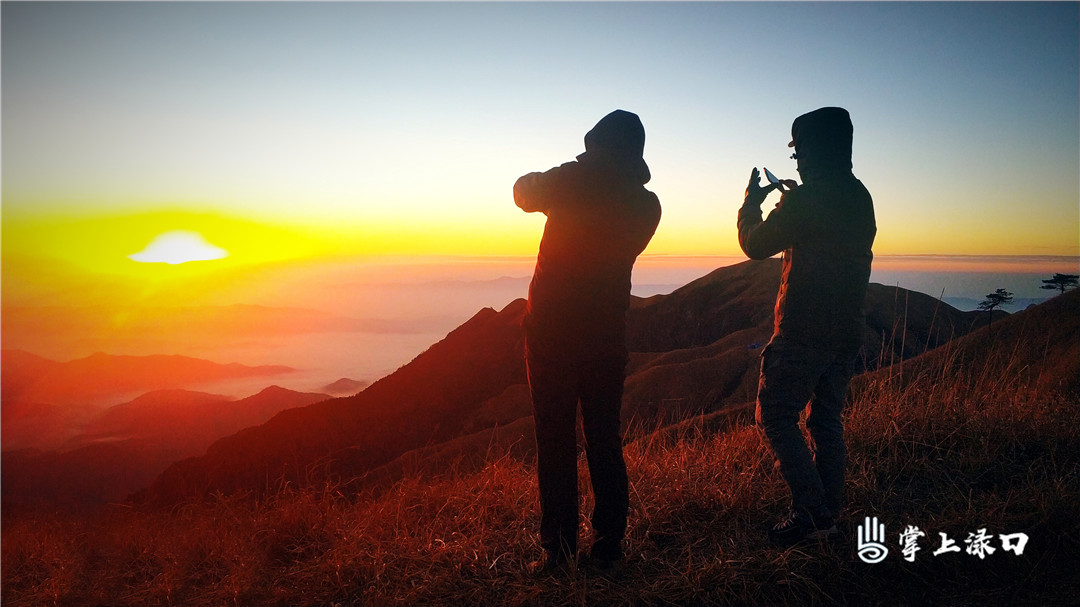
x=619, y=138
x=822, y=140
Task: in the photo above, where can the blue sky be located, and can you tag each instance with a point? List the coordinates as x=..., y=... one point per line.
x=369, y=118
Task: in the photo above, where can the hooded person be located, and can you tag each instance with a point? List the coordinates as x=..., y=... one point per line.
x=825, y=229
x=600, y=218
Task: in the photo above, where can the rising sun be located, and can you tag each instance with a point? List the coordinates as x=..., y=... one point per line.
x=178, y=246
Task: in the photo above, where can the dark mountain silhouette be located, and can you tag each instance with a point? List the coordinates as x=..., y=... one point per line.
x=1045, y=336
x=25, y=377
x=742, y=296
x=715, y=384
x=696, y=350
x=126, y=446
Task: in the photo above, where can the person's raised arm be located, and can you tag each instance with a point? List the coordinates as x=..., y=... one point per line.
x=762, y=239
x=540, y=191
x=529, y=193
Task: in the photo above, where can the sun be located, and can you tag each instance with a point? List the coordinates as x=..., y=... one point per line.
x=178, y=246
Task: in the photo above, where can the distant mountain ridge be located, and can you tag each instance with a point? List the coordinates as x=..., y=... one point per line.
x=190, y=420
x=694, y=351
x=124, y=447
x=345, y=386
x=25, y=377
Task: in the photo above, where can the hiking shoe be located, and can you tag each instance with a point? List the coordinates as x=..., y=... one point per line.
x=550, y=564
x=800, y=526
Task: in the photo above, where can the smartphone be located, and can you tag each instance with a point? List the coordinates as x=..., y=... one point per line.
x=773, y=179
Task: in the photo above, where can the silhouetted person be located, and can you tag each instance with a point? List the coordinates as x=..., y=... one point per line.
x=599, y=218
x=825, y=229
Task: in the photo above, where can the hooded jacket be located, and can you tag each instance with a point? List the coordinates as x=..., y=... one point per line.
x=600, y=218
x=826, y=229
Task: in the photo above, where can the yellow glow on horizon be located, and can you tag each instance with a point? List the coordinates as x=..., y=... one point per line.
x=104, y=244
x=118, y=244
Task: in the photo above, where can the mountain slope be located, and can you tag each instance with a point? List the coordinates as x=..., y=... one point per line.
x=125, y=447
x=1045, y=336
x=424, y=402
x=695, y=350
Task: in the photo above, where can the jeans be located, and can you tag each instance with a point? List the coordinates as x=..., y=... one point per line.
x=791, y=376
x=557, y=385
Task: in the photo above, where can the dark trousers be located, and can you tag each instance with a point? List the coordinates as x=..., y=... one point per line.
x=558, y=384
x=793, y=375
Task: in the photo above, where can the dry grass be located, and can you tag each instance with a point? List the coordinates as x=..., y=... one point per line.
x=951, y=451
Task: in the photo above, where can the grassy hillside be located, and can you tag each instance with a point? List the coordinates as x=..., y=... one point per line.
x=981, y=434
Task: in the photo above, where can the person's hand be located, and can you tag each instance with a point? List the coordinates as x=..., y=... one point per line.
x=755, y=194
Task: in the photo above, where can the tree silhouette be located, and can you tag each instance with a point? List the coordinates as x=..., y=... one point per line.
x=993, y=300
x=1061, y=282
